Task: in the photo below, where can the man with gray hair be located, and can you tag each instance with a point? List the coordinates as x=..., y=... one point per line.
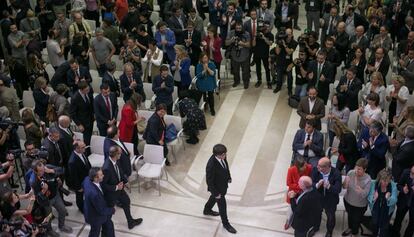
x=403, y=157
x=102, y=50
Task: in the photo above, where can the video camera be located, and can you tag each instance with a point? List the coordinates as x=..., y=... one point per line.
x=15, y=224
x=281, y=37
x=8, y=124
x=41, y=153
x=303, y=40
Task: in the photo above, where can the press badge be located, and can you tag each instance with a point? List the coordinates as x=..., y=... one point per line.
x=312, y=4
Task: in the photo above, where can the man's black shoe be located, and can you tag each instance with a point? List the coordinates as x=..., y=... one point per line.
x=167, y=163
x=211, y=213
x=347, y=232
x=134, y=223
x=328, y=234
x=213, y=112
x=235, y=84
x=276, y=90
x=258, y=84
x=269, y=86
x=246, y=86
x=230, y=228
x=252, y=64
x=67, y=204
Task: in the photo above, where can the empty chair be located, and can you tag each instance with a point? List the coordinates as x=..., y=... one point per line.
x=154, y=164
x=149, y=95
x=92, y=24
x=28, y=100
x=96, y=158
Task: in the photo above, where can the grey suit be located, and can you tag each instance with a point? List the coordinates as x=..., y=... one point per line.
x=329, y=29
x=316, y=146
x=318, y=110
x=266, y=15
x=27, y=26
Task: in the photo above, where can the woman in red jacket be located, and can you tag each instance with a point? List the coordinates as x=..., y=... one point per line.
x=300, y=168
x=211, y=46
x=128, y=131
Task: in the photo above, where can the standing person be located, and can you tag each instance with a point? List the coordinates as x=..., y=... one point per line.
x=152, y=61
x=78, y=167
x=114, y=183
x=192, y=40
x=77, y=74
x=132, y=54
x=163, y=88
x=96, y=211
x=397, y=95
x=131, y=82
x=41, y=97
x=181, y=68
x=347, y=149
x=165, y=41
x=106, y=109
x=338, y=111
x=212, y=46
x=62, y=26
x=382, y=198
x=17, y=42
x=261, y=43
x=82, y=27
x=92, y=10
x=81, y=111
x=313, y=11
x=306, y=207
x=311, y=107
x=206, y=80
x=357, y=184
x=55, y=49
x=218, y=179
x=109, y=78
x=102, y=50
x=327, y=180
x=349, y=87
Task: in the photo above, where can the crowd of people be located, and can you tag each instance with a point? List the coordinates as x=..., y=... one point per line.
x=355, y=46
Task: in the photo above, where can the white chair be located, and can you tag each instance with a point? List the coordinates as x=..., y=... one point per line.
x=28, y=100
x=149, y=94
x=50, y=70
x=154, y=164
x=97, y=158
x=78, y=136
x=145, y=114
x=119, y=64
x=177, y=121
x=121, y=103
x=155, y=16
x=92, y=24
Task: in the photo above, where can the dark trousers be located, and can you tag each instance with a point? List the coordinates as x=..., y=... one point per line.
x=399, y=217
x=296, y=16
x=123, y=199
x=79, y=200
x=222, y=206
x=135, y=140
x=245, y=67
x=218, y=68
x=107, y=229
x=330, y=216
x=87, y=134
x=355, y=215
x=209, y=98
x=92, y=15
x=101, y=70
x=257, y=61
x=382, y=231
x=102, y=127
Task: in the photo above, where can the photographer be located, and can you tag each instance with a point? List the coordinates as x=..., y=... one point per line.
x=21, y=227
x=6, y=171
x=261, y=44
x=10, y=206
x=238, y=42
x=45, y=187
x=308, y=41
x=301, y=67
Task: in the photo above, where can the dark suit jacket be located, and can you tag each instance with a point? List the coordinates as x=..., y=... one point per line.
x=403, y=47
x=307, y=212
x=358, y=20
x=175, y=26
x=188, y=4
x=375, y=156
x=405, y=200
x=317, y=142
x=112, y=82
x=318, y=110
x=83, y=74
x=53, y=157
x=351, y=94
x=110, y=181
x=363, y=42
x=154, y=130
x=322, y=86
x=383, y=67
x=60, y=76
x=247, y=27
x=341, y=43
x=96, y=209
x=194, y=49
x=67, y=144
x=78, y=171
x=278, y=15
x=330, y=197
x=217, y=177
x=101, y=113
x=332, y=27
x=80, y=111
x=402, y=159
x=128, y=91
x=125, y=161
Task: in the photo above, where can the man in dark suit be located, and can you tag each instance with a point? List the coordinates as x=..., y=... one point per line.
x=329, y=24
x=130, y=82
x=111, y=140
x=177, y=23
x=359, y=39
x=405, y=45
x=77, y=74
x=97, y=212
x=60, y=76
x=229, y=19
x=403, y=157
x=373, y=144
x=379, y=63
x=66, y=137
x=114, y=184
x=105, y=106
x=405, y=203
x=218, y=178
x=192, y=40
x=328, y=181
x=54, y=147
x=321, y=74
x=306, y=207
x=81, y=111
x=407, y=69
x=349, y=87
x=110, y=79
x=308, y=142
x=341, y=40
x=284, y=13
x=78, y=168
x=311, y=108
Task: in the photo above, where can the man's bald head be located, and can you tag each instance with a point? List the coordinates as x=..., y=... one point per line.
x=324, y=162
x=305, y=182
x=64, y=121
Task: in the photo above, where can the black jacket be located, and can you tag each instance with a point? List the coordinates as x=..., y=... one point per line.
x=307, y=212
x=67, y=144
x=112, y=82
x=329, y=197
x=54, y=158
x=348, y=148
x=154, y=130
x=405, y=200
x=110, y=181
x=351, y=94
x=101, y=113
x=402, y=159
x=77, y=171
x=217, y=177
x=80, y=111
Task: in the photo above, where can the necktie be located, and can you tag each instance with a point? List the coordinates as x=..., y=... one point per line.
x=349, y=83
x=329, y=26
x=83, y=159
x=306, y=150
x=318, y=74
x=59, y=152
x=108, y=107
x=254, y=29
x=223, y=164
x=190, y=35
x=77, y=74
x=117, y=171
x=129, y=79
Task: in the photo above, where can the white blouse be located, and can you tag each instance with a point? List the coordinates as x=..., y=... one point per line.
x=403, y=94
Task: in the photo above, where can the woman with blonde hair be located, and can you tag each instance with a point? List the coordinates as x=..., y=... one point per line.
x=347, y=150
x=400, y=123
x=397, y=95
x=181, y=68
x=375, y=85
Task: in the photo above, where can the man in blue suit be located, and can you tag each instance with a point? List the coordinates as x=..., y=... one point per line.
x=112, y=139
x=96, y=211
x=373, y=144
x=308, y=142
x=106, y=109
x=165, y=41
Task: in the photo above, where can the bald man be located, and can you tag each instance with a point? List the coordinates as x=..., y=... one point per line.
x=66, y=136
x=328, y=181
x=306, y=207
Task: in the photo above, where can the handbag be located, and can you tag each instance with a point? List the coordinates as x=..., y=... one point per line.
x=141, y=125
x=171, y=133
x=51, y=114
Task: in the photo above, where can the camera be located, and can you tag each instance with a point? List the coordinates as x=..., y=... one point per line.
x=303, y=40
x=41, y=153
x=5, y=124
x=15, y=224
x=281, y=37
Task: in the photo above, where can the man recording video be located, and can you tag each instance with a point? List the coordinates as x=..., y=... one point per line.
x=261, y=43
